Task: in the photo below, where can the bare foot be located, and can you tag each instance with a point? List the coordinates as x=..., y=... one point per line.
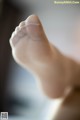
x=32, y=50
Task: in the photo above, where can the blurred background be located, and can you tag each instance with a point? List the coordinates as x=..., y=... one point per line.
x=19, y=93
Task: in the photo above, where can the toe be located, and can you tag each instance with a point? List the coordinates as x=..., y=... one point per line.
x=22, y=24
x=34, y=27
x=33, y=19
x=14, y=39
x=17, y=29
x=17, y=35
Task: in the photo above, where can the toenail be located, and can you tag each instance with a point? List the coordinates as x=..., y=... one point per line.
x=33, y=19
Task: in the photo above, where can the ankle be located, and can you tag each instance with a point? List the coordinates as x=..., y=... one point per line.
x=73, y=72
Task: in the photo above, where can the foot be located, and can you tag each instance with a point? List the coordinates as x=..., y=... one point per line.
x=32, y=50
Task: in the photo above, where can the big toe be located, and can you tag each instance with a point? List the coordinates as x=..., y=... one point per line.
x=34, y=27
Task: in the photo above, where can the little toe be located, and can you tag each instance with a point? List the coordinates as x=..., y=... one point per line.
x=14, y=39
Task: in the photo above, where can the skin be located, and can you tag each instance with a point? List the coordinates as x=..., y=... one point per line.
x=31, y=49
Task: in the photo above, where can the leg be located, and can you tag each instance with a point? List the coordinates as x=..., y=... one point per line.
x=70, y=107
x=32, y=50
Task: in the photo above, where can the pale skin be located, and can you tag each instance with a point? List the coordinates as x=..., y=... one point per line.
x=33, y=51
